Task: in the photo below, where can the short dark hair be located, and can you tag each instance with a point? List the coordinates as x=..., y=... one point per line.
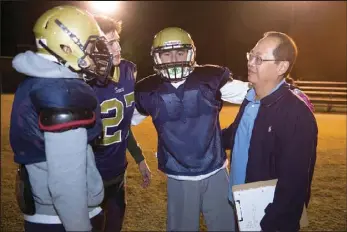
x=285, y=50
x=108, y=24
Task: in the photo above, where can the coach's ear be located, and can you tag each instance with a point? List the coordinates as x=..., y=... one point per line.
x=282, y=67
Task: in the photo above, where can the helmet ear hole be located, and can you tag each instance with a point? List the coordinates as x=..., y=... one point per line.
x=46, y=24
x=65, y=49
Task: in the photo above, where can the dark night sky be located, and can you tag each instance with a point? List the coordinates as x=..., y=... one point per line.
x=223, y=31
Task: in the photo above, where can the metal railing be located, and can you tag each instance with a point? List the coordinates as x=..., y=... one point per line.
x=327, y=94
x=321, y=93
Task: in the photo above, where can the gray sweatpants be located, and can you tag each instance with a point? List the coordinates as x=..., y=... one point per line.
x=186, y=199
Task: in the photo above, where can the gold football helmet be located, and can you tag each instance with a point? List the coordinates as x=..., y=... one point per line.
x=73, y=36
x=173, y=38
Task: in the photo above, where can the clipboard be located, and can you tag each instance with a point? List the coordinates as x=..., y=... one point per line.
x=251, y=199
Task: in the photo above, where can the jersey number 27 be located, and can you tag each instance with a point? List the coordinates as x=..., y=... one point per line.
x=111, y=122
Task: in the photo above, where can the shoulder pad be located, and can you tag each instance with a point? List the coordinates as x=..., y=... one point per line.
x=58, y=119
x=128, y=64
x=64, y=94
x=213, y=74
x=149, y=83
x=210, y=69
x=127, y=67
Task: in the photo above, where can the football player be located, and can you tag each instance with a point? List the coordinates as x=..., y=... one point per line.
x=116, y=98
x=184, y=100
x=55, y=117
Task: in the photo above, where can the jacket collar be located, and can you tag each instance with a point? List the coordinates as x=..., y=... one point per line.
x=276, y=94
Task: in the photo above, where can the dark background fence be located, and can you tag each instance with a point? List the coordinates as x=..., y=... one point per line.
x=10, y=79
x=330, y=96
x=326, y=96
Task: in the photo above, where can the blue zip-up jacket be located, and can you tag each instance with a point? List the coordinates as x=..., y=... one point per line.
x=283, y=146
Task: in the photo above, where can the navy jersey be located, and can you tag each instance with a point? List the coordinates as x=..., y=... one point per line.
x=186, y=120
x=34, y=94
x=117, y=107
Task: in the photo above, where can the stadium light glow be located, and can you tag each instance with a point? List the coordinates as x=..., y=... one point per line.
x=104, y=7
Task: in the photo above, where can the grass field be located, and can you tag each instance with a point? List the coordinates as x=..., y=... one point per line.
x=146, y=209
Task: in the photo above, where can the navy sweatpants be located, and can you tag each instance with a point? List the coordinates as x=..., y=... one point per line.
x=114, y=203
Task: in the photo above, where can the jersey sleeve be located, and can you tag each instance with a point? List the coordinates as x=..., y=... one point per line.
x=234, y=91
x=128, y=66
x=221, y=80
x=225, y=77
x=213, y=75
x=134, y=148
x=140, y=104
x=143, y=92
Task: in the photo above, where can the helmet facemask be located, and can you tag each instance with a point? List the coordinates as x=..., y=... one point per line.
x=174, y=71
x=96, y=50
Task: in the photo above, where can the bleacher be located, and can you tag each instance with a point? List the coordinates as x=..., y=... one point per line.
x=329, y=95
x=326, y=96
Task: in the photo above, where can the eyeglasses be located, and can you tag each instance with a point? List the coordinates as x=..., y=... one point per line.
x=257, y=59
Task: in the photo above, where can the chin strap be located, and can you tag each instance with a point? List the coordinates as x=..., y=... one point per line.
x=59, y=59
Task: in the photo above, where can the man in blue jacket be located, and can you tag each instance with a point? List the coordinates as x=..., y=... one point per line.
x=274, y=135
